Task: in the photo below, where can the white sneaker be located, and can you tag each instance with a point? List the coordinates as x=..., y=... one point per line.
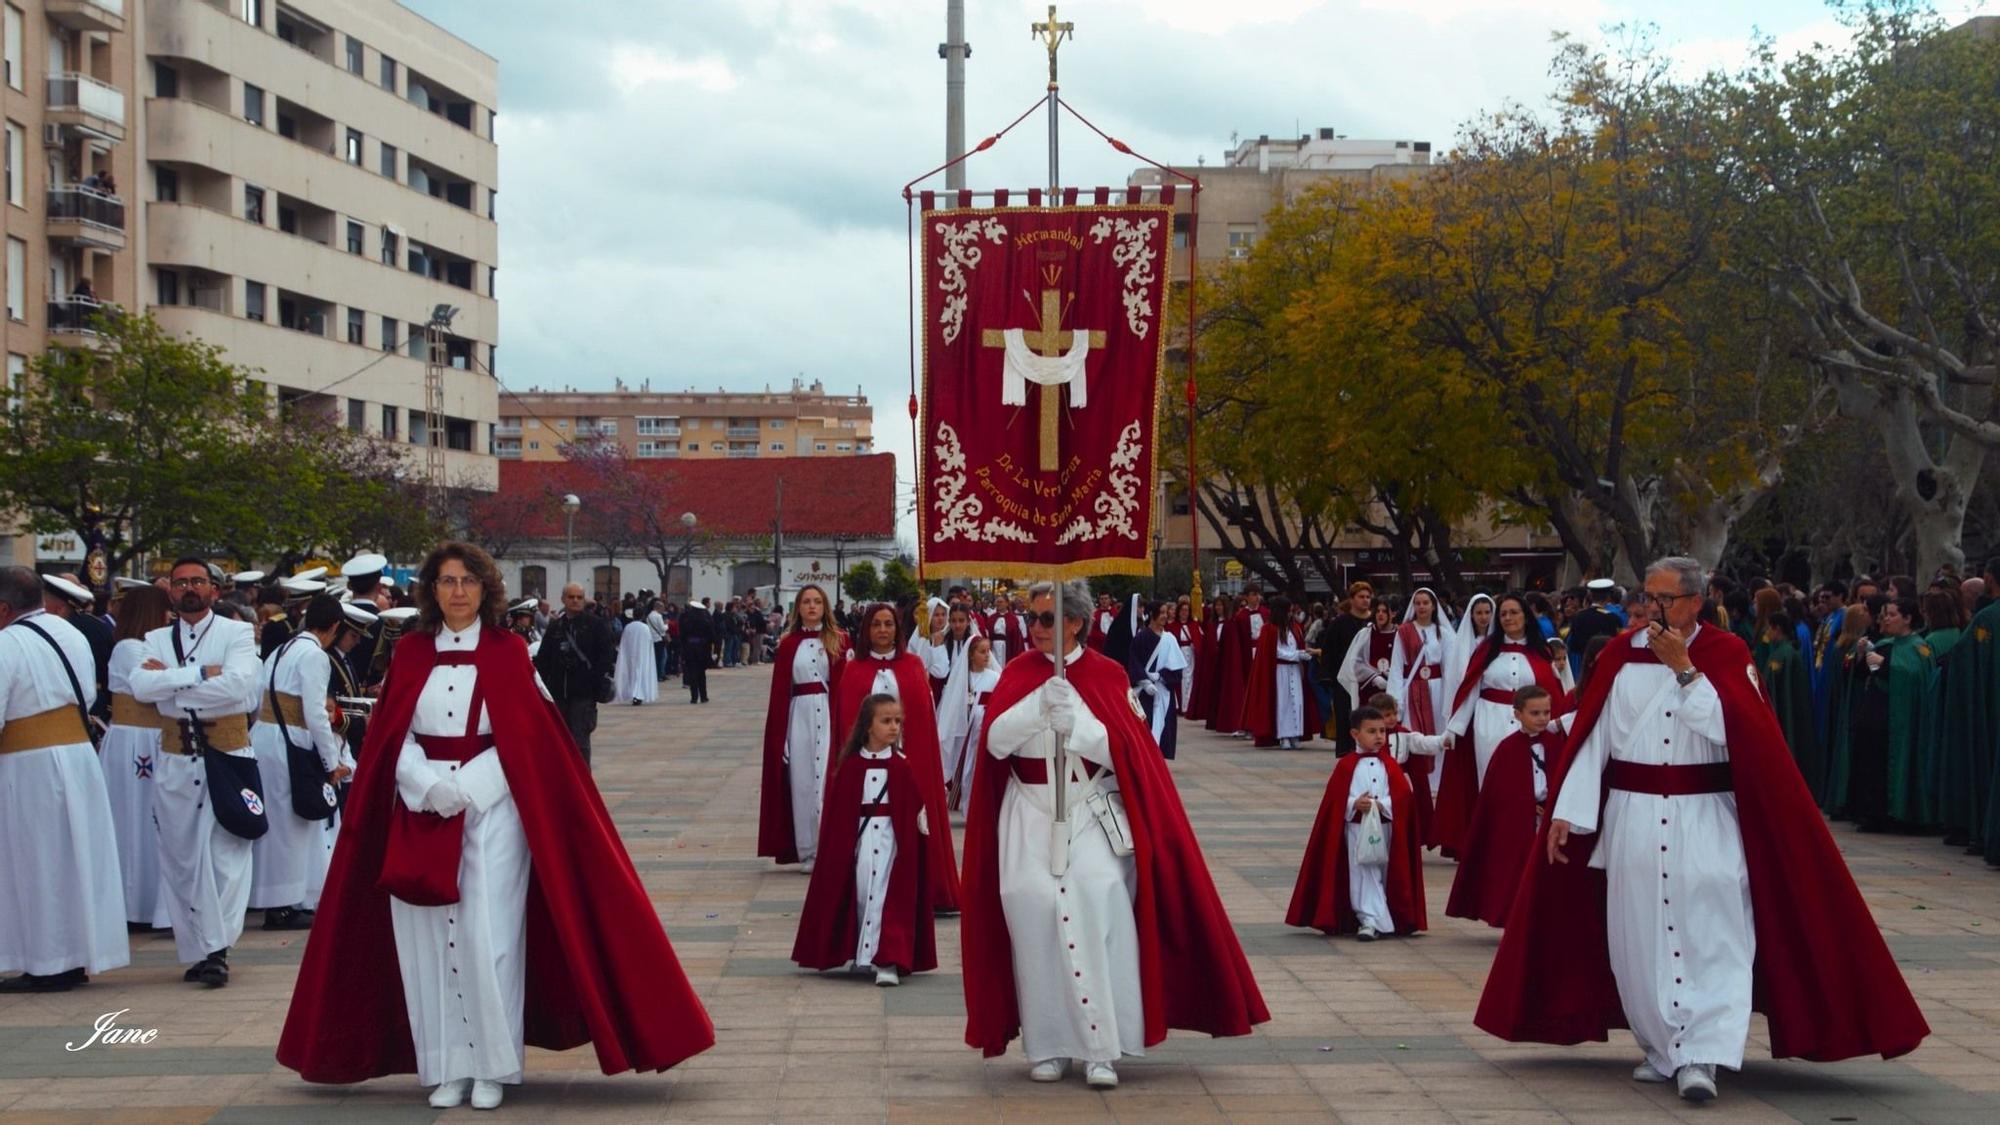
x=1696, y=1081
x=806, y=867
x=885, y=977
x=1647, y=1072
x=485, y=1094
x=1048, y=1070
x=1367, y=933
x=450, y=1094
x=1100, y=1076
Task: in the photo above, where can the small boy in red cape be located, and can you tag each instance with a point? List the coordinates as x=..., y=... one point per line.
x=1338, y=893
x=1510, y=813
x=869, y=903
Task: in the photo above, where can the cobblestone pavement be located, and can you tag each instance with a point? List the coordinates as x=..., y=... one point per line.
x=1377, y=1032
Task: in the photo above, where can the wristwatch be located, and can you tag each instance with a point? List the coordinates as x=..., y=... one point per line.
x=1684, y=678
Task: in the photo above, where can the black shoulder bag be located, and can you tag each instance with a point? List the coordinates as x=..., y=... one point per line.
x=76, y=687
x=235, y=786
x=313, y=795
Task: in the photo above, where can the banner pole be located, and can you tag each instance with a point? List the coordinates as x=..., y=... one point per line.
x=1051, y=34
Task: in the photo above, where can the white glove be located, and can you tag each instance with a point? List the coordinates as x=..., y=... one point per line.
x=1875, y=660
x=445, y=798
x=1061, y=700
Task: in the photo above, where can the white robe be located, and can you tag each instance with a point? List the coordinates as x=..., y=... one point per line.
x=1074, y=938
x=283, y=862
x=1290, y=699
x=205, y=869
x=464, y=965
x=1187, y=677
x=951, y=665
x=1367, y=884
x=1435, y=652
x=1361, y=678
x=638, y=673
x=62, y=905
x=1490, y=722
x=1678, y=894
x=808, y=743
x=1167, y=657
x=130, y=757
x=978, y=686
x=874, y=859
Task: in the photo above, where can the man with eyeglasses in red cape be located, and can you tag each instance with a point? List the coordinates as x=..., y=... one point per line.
x=1093, y=957
x=1686, y=878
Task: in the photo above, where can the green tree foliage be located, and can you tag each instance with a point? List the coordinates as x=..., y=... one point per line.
x=899, y=580
x=861, y=583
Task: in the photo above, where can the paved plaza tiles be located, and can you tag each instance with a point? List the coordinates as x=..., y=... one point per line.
x=1360, y=1033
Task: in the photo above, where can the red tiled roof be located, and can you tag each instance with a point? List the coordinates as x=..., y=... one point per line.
x=852, y=495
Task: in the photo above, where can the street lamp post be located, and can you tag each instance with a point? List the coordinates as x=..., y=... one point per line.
x=687, y=523
x=570, y=502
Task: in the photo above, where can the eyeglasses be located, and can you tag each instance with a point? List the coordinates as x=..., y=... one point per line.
x=457, y=582
x=1666, y=601
x=188, y=583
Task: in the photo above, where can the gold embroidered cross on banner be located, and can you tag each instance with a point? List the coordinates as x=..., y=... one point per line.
x=1049, y=340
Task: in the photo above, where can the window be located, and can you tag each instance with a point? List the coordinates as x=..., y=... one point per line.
x=779, y=447
x=388, y=333
x=388, y=247
x=420, y=428
x=17, y=380
x=605, y=579
x=353, y=237
x=779, y=424
x=17, y=164
x=388, y=74
x=820, y=447
x=17, y=279
x=844, y=447
x=388, y=421
x=535, y=582
x=253, y=104
x=253, y=204
x=353, y=55
x=14, y=32
x=492, y=203
x=253, y=300
x=389, y=161
x=534, y=445
x=716, y=447
x=169, y=286
x=288, y=219
x=166, y=81
x=166, y=184
x=1241, y=236
x=357, y=324
x=357, y=415
x=354, y=147
x=252, y=11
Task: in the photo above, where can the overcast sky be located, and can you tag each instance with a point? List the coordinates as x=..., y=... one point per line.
x=703, y=193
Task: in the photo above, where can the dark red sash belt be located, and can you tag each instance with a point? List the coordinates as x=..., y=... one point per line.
x=1495, y=695
x=459, y=748
x=1669, y=781
x=808, y=689
x=875, y=810
x=1035, y=771
x=1431, y=672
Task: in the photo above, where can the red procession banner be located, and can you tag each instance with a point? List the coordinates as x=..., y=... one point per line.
x=1043, y=343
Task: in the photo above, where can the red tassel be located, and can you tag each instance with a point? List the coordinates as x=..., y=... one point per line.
x=913, y=406
x=1121, y=146
x=987, y=143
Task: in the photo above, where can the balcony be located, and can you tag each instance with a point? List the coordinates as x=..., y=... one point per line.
x=738, y=449
x=507, y=449
x=503, y=430
x=84, y=103
x=107, y=16
x=81, y=216
x=72, y=318
x=743, y=432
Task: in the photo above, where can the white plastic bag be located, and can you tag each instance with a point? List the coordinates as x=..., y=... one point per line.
x=1373, y=848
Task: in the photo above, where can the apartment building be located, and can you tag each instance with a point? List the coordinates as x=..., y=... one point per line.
x=806, y=421
x=320, y=181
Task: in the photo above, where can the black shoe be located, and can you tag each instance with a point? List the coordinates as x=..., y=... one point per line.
x=213, y=972
x=53, y=982
x=288, y=918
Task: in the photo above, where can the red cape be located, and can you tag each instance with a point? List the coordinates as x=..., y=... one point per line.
x=1319, y=898
x=1232, y=672
x=920, y=742
x=1458, y=783
x=774, y=805
x=1192, y=972
x=1260, y=699
x=600, y=969
x=1823, y=975
x=829, y=926
x=1207, y=663
x=1502, y=837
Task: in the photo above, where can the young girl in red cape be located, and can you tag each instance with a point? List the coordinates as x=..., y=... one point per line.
x=879, y=665
x=798, y=730
x=864, y=906
x=598, y=967
x=1330, y=895
x=1512, y=806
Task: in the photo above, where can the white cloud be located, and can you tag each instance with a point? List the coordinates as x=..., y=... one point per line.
x=634, y=66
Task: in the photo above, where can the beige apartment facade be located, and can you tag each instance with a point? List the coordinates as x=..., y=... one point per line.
x=805, y=421
x=1255, y=176
x=301, y=183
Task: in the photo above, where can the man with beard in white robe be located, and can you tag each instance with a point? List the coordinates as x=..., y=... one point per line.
x=64, y=913
x=1678, y=889
x=292, y=712
x=202, y=675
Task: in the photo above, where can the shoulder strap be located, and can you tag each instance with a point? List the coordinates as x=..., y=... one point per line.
x=271, y=687
x=180, y=657
x=75, y=686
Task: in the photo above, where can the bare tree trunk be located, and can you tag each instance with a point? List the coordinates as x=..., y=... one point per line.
x=1933, y=490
